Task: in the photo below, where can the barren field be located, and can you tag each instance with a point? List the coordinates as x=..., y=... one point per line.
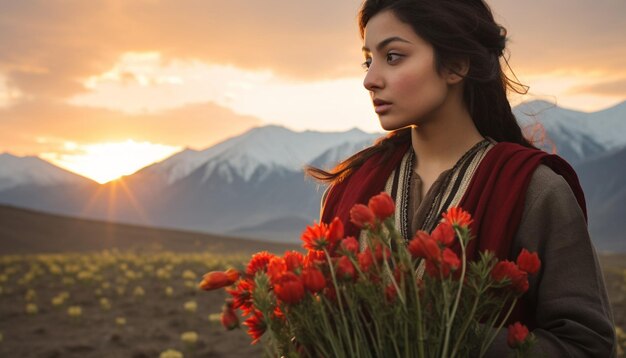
x=130, y=306
x=138, y=298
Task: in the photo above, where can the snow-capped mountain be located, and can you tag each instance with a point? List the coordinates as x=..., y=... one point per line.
x=33, y=171
x=334, y=155
x=270, y=147
x=572, y=134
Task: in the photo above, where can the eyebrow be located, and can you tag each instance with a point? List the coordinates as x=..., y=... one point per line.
x=386, y=42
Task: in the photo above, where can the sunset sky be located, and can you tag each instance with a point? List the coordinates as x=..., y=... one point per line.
x=125, y=83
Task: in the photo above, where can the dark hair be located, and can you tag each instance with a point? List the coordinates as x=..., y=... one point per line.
x=457, y=30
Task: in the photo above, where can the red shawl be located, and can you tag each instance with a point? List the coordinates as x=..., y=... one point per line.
x=496, y=193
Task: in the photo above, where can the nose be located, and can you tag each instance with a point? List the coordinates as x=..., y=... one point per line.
x=373, y=80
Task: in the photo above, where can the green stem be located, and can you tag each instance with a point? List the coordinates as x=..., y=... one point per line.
x=484, y=348
x=375, y=343
x=466, y=325
x=330, y=332
x=418, y=307
x=406, y=338
x=445, y=313
x=339, y=301
x=393, y=281
x=458, y=297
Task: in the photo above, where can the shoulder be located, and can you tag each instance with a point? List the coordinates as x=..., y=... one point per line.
x=551, y=214
x=546, y=185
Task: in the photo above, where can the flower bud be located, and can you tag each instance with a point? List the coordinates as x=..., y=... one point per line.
x=229, y=318
x=217, y=279
x=517, y=335
x=508, y=270
x=313, y=279
x=350, y=245
x=289, y=288
x=382, y=206
x=362, y=216
x=424, y=246
x=528, y=262
x=365, y=260
x=345, y=268
x=444, y=233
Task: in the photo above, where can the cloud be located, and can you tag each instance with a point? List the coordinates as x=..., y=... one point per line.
x=48, y=48
x=616, y=88
x=61, y=43
x=32, y=127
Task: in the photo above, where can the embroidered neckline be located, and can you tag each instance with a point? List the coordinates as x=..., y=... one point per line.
x=433, y=215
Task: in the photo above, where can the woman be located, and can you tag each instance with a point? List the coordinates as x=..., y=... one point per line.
x=434, y=75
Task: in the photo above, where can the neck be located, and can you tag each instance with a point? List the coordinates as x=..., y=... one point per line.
x=440, y=141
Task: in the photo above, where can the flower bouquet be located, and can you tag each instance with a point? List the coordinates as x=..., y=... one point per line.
x=381, y=297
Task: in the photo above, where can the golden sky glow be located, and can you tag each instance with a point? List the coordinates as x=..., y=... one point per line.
x=103, y=162
x=147, y=77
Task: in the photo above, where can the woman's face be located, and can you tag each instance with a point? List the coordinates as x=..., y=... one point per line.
x=405, y=87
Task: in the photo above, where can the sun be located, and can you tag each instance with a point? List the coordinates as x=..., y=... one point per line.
x=108, y=161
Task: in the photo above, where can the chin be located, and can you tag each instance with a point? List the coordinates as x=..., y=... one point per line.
x=390, y=124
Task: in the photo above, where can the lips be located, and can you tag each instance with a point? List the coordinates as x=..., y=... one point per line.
x=380, y=102
x=381, y=106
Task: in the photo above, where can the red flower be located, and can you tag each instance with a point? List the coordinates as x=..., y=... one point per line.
x=365, y=260
x=350, y=245
x=313, y=279
x=242, y=295
x=275, y=268
x=449, y=262
x=424, y=246
x=314, y=237
x=289, y=288
x=362, y=216
x=345, y=268
x=229, y=319
x=450, y=259
x=217, y=279
x=256, y=326
x=314, y=257
x=520, y=284
x=444, y=233
x=382, y=206
x=293, y=260
x=502, y=270
x=508, y=270
x=232, y=274
x=258, y=262
x=528, y=262
x=335, y=232
x=456, y=216
x=517, y=335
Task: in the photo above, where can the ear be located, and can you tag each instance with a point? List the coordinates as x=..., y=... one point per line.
x=456, y=70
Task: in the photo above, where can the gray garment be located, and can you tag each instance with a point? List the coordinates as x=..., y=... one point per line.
x=572, y=309
x=573, y=313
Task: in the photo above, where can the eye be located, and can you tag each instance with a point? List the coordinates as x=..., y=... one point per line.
x=393, y=57
x=366, y=64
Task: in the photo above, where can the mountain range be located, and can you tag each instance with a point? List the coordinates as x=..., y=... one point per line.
x=253, y=185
